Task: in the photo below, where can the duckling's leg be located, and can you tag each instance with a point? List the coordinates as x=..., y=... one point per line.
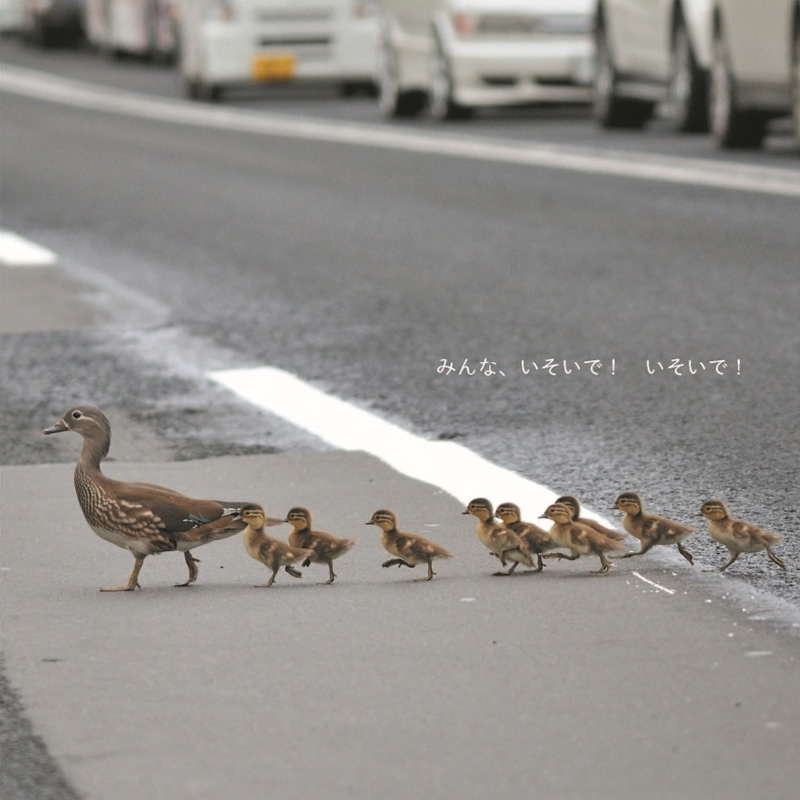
x=133, y=581
x=509, y=572
x=559, y=556
x=645, y=546
x=685, y=553
x=605, y=568
x=734, y=554
x=397, y=562
x=774, y=558
x=293, y=572
x=430, y=575
x=269, y=582
x=331, y=573
x=191, y=562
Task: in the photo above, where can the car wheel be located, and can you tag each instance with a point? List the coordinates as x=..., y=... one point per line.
x=442, y=105
x=731, y=126
x=688, y=88
x=391, y=101
x=610, y=109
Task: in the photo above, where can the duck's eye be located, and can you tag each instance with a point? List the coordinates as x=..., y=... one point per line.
x=76, y=415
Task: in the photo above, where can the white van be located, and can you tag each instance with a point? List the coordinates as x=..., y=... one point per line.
x=230, y=43
x=457, y=55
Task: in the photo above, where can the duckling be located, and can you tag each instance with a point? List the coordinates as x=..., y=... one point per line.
x=579, y=539
x=650, y=529
x=272, y=553
x=409, y=548
x=573, y=503
x=737, y=535
x=327, y=547
x=537, y=539
x=501, y=541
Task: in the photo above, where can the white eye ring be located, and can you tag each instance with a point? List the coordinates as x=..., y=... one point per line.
x=76, y=415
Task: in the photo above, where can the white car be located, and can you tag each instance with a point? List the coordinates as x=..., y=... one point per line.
x=651, y=52
x=732, y=64
x=454, y=56
x=230, y=43
x=755, y=68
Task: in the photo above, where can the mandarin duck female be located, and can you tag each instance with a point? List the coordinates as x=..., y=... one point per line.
x=499, y=540
x=409, y=549
x=326, y=547
x=579, y=539
x=736, y=535
x=142, y=518
x=538, y=540
x=271, y=552
x=650, y=529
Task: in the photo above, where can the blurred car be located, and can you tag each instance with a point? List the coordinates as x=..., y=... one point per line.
x=651, y=52
x=230, y=43
x=755, y=68
x=454, y=56
x=730, y=64
x=146, y=28
x=11, y=16
x=49, y=23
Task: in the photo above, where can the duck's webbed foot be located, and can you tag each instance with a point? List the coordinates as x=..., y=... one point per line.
x=133, y=581
x=293, y=572
x=192, y=563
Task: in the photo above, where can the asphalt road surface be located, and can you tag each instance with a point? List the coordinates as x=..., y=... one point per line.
x=367, y=266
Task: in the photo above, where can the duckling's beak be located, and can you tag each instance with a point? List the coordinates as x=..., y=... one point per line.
x=542, y=516
x=59, y=427
x=610, y=508
x=464, y=512
x=369, y=523
x=698, y=514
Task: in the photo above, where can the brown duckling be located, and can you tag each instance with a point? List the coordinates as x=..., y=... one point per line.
x=737, y=535
x=327, y=547
x=579, y=539
x=501, y=541
x=650, y=529
x=410, y=549
x=574, y=504
x=272, y=553
x=143, y=518
x=538, y=540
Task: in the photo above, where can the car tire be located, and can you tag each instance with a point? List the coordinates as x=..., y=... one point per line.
x=441, y=104
x=610, y=109
x=393, y=102
x=731, y=126
x=688, y=87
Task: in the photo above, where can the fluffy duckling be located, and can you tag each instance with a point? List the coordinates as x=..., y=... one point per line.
x=410, y=549
x=272, y=553
x=650, y=529
x=579, y=539
x=737, y=535
x=574, y=504
x=537, y=539
x=501, y=541
x=327, y=547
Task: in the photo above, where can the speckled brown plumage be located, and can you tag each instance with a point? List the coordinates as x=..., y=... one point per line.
x=410, y=549
x=736, y=535
x=538, y=540
x=499, y=540
x=650, y=529
x=143, y=518
x=325, y=546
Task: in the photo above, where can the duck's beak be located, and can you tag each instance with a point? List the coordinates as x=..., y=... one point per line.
x=59, y=427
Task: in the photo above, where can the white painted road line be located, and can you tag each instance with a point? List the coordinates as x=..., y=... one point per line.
x=591, y=160
x=450, y=466
x=18, y=252
x=653, y=583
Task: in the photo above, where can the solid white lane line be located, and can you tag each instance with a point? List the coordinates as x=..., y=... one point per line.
x=689, y=171
x=450, y=466
x=15, y=251
x=653, y=583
